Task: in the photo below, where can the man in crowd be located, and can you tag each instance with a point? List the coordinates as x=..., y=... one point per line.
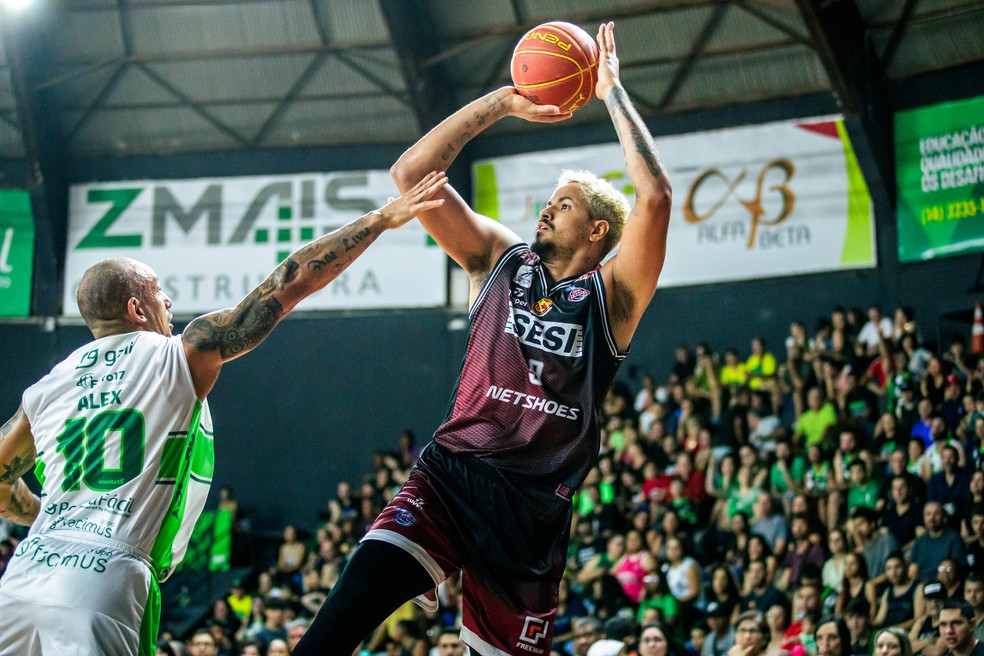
x=956, y=629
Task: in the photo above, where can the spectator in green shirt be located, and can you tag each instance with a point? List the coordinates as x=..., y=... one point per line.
x=813, y=423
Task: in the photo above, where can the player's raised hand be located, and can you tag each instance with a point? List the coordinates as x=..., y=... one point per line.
x=418, y=198
x=524, y=108
x=607, y=61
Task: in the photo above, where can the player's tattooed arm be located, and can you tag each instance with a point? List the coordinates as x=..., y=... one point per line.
x=226, y=334
x=17, y=455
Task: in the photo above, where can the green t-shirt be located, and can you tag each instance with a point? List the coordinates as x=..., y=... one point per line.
x=777, y=481
x=812, y=424
x=863, y=495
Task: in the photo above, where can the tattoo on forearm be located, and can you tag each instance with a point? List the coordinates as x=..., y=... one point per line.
x=618, y=106
x=236, y=331
x=15, y=469
x=22, y=510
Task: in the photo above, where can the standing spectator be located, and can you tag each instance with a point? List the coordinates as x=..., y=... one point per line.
x=937, y=543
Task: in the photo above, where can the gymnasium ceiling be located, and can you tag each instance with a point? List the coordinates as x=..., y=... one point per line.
x=114, y=78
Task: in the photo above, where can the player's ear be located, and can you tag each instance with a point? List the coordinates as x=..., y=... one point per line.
x=135, y=311
x=599, y=228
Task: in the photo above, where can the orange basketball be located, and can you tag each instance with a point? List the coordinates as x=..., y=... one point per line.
x=556, y=64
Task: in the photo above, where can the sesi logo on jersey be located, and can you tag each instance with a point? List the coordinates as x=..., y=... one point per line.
x=552, y=336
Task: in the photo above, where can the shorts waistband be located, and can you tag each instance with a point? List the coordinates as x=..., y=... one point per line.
x=86, y=539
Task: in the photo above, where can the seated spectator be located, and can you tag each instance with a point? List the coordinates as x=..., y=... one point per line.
x=974, y=595
x=862, y=491
x=721, y=636
x=901, y=516
x=937, y=543
x=802, y=551
x=832, y=574
x=724, y=591
x=897, y=604
x=874, y=545
x=819, y=415
x=949, y=486
x=769, y=522
x=786, y=473
x=857, y=616
x=759, y=593
x=925, y=633
x=856, y=584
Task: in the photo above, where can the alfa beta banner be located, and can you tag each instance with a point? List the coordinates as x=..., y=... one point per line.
x=750, y=202
x=212, y=240
x=939, y=163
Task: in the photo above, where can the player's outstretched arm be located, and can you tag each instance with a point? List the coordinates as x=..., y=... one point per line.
x=632, y=274
x=215, y=338
x=17, y=453
x=473, y=241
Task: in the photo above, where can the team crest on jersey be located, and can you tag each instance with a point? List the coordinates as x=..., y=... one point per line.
x=405, y=517
x=87, y=381
x=577, y=294
x=542, y=306
x=534, y=630
x=524, y=277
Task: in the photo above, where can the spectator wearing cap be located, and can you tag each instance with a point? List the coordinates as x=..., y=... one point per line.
x=956, y=629
x=721, y=635
x=873, y=545
x=606, y=647
x=925, y=633
x=937, y=543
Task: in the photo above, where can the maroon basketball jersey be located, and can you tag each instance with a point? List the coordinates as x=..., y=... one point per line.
x=540, y=360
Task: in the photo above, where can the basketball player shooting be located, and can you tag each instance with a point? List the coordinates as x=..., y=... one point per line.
x=122, y=436
x=549, y=326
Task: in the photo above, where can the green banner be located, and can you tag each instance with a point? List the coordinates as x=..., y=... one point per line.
x=16, y=252
x=210, y=545
x=939, y=162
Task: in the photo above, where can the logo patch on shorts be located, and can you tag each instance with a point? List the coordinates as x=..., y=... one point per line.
x=534, y=630
x=405, y=517
x=576, y=294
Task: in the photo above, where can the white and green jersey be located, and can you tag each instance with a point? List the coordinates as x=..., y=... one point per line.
x=125, y=451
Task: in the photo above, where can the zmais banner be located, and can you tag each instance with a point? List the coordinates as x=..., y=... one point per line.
x=213, y=240
x=751, y=202
x=939, y=162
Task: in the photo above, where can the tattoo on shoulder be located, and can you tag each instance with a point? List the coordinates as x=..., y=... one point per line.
x=236, y=331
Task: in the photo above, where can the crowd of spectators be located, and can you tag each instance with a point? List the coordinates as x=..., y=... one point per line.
x=837, y=488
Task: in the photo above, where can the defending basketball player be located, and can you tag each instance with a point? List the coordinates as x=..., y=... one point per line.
x=491, y=495
x=122, y=436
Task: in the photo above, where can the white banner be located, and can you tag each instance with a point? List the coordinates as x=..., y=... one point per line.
x=751, y=202
x=213, y=240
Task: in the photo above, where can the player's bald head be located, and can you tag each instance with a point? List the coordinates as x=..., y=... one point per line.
x=107, y=286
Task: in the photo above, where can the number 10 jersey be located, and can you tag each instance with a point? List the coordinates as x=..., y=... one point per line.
x=125, y=451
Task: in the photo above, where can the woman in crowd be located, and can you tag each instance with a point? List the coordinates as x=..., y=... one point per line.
x=683, y=576
x=724, y=590
x=892, y=641
x=832, y=574
x=633, y=566
x=855, y=584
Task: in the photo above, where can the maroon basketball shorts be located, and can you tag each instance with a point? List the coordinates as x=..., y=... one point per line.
x=511, y=561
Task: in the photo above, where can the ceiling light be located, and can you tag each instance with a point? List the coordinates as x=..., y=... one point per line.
x=17, y=5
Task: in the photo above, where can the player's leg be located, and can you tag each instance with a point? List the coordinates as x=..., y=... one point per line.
x=378, y=579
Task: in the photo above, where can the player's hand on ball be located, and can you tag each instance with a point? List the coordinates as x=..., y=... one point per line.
x=607, y=61
x=522, y=107
x=420, y=198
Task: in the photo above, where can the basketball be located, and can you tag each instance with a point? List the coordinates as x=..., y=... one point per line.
x=556, y=64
